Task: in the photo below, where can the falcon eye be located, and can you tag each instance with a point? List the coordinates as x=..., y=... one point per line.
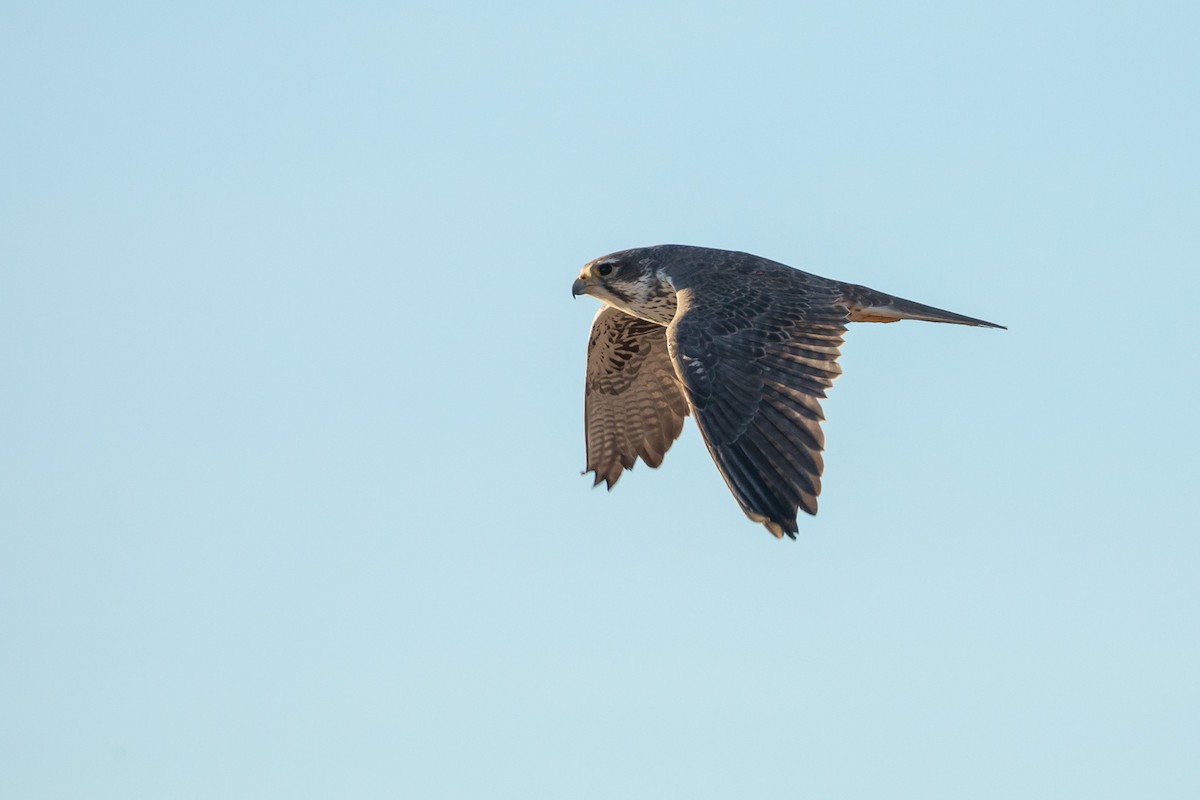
x=604, y=269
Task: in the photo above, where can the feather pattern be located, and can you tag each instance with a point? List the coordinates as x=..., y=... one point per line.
x=760, y=365
x=633, y=404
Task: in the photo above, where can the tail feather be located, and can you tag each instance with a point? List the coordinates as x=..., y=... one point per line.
x=868, y=305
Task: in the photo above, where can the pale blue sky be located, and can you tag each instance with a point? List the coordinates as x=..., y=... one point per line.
x=291, y=419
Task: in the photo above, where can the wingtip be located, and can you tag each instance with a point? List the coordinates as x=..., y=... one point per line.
x=597, y=479
x=779, y=531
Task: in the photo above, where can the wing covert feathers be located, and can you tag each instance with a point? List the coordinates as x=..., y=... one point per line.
x=755, y=365
x=633, y=403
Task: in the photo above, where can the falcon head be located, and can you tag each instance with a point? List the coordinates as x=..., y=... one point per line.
x=630, y=281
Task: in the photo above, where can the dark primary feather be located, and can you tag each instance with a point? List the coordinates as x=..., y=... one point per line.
x=756, y=358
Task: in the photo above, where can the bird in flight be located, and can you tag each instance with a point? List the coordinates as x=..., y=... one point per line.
x=747, y=345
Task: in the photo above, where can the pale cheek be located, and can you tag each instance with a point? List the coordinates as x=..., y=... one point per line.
x=604, y=295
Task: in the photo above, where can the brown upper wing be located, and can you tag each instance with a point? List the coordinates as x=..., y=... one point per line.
x=633, y=404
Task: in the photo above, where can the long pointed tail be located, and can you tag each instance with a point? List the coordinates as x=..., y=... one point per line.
x=868, y=305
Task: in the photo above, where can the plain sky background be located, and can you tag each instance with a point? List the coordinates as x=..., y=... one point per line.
x=291, y=412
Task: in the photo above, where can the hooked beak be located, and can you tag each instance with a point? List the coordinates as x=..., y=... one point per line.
x=578, y=288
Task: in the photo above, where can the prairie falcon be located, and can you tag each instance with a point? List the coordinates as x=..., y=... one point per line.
x=747, y=345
